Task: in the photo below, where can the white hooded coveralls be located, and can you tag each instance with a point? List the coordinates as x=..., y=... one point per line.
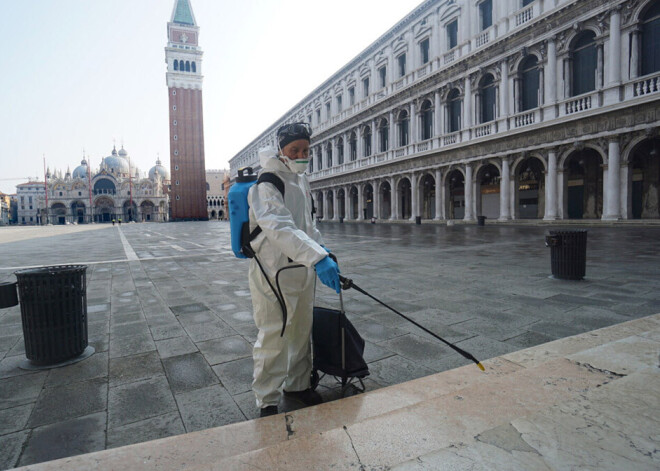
x=288, y=233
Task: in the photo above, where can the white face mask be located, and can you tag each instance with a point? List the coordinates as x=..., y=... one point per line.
x=296, y=166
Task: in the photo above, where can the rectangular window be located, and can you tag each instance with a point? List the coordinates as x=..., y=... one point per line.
x=30, y=199
x=351, y=96
x=452, y=34
x=309, y=119
x=338, y=103
x=318, y=116
x=424, y=50
x=401, y=60
x=327, y=110
x=382, y=76
x=526, y=2
x=365, y=87
x=22, y=199
x=486, y=14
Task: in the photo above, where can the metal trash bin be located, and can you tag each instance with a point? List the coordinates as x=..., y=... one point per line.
x=481, y=220
x=8, y=295
x=568, y=253
x=53, y=312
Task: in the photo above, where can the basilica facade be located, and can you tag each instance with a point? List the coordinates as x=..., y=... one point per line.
x=512, y=109
x=115, y=191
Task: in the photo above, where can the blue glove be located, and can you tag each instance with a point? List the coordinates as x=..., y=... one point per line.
x=328, y=272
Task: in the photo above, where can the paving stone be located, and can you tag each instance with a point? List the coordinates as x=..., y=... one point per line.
x=21, y=390
x=375, y=332
x=395, y=370
x=208, y=407
x=9, y=366
x=188, y=372
x=162, y=426
x=131, y=345
x=417, y=349
x=8, y=342
x=126, y=317
x=11, y=446
x=529, y=339
x=135, y=368
x=209, y=330
x=129, y=328
x=69, y=401
x=14, y=419
x=189, y=308
x=167, y=331
x=225, y=349
x=132, y=402
x=92, y=367
x=66, y=438
x=175, y=347
x=374, y=352
x=236, y=375
x=187, y=320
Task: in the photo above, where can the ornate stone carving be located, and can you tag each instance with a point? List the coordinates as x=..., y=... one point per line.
x=629, y=11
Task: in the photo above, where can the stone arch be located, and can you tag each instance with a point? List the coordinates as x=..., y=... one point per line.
x=58, y=213
x=529, y=187
x=104, y=209
x=644, y=180
x=487, y=178
x=78, y=211
x=129, y=211
x=368, y=199
x=426, y=186
x=354, y=202
x=583, y=183
x=385, y=194
x=319, y=204
x=341, y=203
x=330, y=204
x=147, y=211
x=404, y=193
x=454, y=187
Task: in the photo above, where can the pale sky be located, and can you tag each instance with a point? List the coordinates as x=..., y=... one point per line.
x=85, y=74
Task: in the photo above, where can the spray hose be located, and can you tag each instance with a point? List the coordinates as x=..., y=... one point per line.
x=347, y=283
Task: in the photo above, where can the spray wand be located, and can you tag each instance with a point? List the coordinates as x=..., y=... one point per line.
x=348, y=283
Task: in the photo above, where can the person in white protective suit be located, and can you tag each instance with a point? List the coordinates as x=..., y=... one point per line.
x=288, y=237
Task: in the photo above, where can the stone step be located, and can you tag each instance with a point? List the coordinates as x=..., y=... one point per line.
x=406, y=421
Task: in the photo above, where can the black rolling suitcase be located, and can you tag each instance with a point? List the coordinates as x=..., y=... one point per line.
x=337, y=347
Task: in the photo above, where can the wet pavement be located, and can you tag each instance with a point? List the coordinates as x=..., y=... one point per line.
x=170, y=318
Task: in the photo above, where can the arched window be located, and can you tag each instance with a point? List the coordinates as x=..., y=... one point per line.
x=187, y=66
x=383, y=135
x=427, y=120
x=487, y=91
x=340, y=151
x=176, y=64
x=403, y=128
x=319, y=159
x=651, y=40
x=366, y=141
x=194, y=67
x=584, y=63
x=353, y=146
x=311, y=160
x=328, y=154
x=529, y=76
x=454, y=111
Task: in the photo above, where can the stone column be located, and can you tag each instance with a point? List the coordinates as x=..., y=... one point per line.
x=568, y=69
x=358, y=135
x=326, y=207
x=504, y=89
x=394, y=199
x=360, y=189
x=551, y=187
x=347, y=203
x=467, y=104
x=437, y=115
x=550, y=72
x=600, y=64
x=376, y=196
x=335, y=204
x=615, y=46
x=414, y=197
x=335, y=152
x=469, y=215
x=413, y=123
x=505, y=193
x=392, y=132
x=635, y=46
x=374, y=135
x=439, y=207
x=612, y=210
x=347, y=147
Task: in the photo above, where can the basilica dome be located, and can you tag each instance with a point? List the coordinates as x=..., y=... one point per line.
x=81, y=170
x=116, y=164
x=160, y=170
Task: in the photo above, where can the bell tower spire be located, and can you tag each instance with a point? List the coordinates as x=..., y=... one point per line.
x=184, y=83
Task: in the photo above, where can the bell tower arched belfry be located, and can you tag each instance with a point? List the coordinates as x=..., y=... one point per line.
x=184, y=86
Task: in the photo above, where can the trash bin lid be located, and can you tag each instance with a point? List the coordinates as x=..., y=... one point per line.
x=51, y=270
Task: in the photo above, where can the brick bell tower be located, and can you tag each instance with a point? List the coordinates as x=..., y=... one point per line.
x=184, y=86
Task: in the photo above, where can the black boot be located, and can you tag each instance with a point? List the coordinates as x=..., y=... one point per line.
x=268, y=410
x=308, y=397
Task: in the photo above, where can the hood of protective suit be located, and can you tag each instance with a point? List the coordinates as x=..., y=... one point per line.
x=266, y=154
